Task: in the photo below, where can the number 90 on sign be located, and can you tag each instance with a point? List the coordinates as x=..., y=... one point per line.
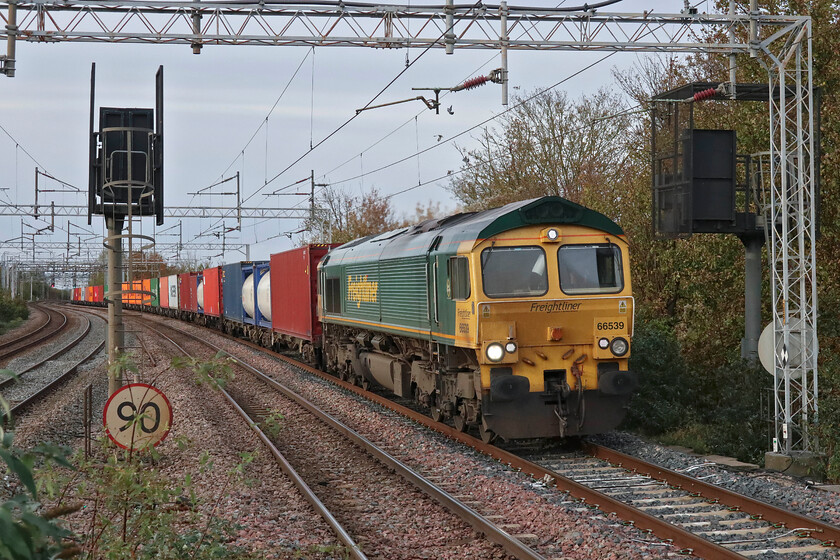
x=137, y=416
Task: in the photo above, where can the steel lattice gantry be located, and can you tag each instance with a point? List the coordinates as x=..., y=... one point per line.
x=74, y=210
x=339, y=23
x=781, y=43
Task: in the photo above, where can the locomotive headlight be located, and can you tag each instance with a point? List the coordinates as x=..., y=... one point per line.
x=495, y=352
x=550, y=235
x=619, y=347
x=510, y=347
x=603, y=343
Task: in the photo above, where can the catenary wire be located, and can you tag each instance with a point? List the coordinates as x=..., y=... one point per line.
x=353, y=117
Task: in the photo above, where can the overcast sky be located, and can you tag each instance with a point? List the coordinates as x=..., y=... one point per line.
x=215, y=101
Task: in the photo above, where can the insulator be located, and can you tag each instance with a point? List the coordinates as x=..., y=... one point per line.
x=705, y=94
x=475, y=82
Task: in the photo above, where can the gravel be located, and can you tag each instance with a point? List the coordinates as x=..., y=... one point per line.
x=563, y=528
x=36, y=319
x=273, y=519
x=771, y=487
x=269, y=518
x=35, y=379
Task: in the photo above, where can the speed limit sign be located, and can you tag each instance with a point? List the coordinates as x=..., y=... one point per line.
x=137, y=416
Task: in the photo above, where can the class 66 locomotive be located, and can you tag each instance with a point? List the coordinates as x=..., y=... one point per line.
x=516, y=321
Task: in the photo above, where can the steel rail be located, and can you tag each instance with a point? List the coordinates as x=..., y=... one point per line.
x=61, y=351
x=828, y=533
x=41, y=327
x=661, y=528
x=493, y=533
x=29, y=343
x=286, y=467
x=57, y=381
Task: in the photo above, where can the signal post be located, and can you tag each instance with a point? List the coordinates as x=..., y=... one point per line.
x=125, y=184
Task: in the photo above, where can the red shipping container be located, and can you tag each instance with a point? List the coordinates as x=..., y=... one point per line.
x=75, y=295
x=187, y=286
x=98, y=294
x=294, y=291
x=213, y=291
x=164, y=291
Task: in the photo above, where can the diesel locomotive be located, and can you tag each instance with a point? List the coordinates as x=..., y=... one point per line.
x=516, y=321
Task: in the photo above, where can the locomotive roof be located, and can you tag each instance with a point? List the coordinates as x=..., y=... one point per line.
x=477, y=226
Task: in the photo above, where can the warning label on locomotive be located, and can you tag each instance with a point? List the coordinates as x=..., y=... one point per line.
x=361, y=290
x=555, y=307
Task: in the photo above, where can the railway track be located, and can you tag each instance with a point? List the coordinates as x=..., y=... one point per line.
x=55, y=323
x=32, y=384
x=346, y=467
x=702, y=519
x=745, y=527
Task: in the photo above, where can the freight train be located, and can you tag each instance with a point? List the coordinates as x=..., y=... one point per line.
x=515, y=321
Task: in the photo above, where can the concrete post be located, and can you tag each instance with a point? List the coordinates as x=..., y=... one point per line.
x=115, y=338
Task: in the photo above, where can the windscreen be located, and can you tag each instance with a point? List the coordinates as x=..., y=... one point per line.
x=590, y=269
x=514, y=272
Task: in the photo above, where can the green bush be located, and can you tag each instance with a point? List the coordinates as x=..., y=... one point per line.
x=710, y=409
x=27, y=531
x=137, y=512
x=829, y=413
x=664, y=395
x=12, y=309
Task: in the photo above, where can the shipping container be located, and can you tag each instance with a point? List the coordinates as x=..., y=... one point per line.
x=136, y=297
x=212, y=283
x=146, y=286
x=154, y=285
x=174, y=291
x=98, y=294
x=294, y=291
x=163, y=285
x=187, y=287
x=76, y=293
x=199, y=292
x=262, y=294
x=233, y=276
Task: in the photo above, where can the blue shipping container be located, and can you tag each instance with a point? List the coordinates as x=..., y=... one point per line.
x=235, y=275
x=232, y=290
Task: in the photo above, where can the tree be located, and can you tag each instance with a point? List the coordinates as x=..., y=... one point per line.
x=350, y=217
x=549, y=145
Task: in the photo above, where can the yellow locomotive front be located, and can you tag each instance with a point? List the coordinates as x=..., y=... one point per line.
x=550, y=319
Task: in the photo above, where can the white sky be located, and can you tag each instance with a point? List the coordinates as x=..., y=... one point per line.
x=216, y=100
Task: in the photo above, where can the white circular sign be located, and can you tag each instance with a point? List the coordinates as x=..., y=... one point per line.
x=137, y=416
x=792, y=355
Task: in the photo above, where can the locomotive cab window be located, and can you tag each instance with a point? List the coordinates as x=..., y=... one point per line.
x=332, y=295
x=590, y=269
x=514, y=272
x=458, y=281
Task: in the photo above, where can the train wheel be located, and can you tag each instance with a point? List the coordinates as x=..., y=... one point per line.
x=437, y=414
x=460, y=423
